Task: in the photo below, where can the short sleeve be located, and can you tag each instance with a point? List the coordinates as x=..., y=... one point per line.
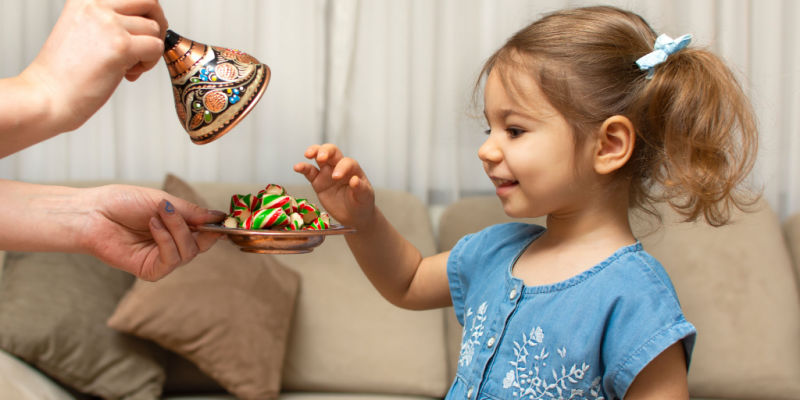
x=651, y=301
x=456, y=278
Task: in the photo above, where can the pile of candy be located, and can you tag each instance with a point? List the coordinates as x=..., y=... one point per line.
x=272, y=208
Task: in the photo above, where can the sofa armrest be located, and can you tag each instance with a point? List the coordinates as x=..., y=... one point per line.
x=791, y=229
x=20, y=381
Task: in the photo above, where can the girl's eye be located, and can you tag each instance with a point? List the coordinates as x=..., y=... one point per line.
x=487, y=131
x=515, y=132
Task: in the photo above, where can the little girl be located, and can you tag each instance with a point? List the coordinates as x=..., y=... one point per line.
x=586, y=120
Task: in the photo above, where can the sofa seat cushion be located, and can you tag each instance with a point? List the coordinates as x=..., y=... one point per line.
x=19, y=381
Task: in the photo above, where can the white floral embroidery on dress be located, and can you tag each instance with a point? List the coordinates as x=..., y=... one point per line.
x=528, y=377
x=468, y=343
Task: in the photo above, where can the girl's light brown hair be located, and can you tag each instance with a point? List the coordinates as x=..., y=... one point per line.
x=696, y=136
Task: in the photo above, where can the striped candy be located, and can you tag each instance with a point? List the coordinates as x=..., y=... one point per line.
x=317, y=225
x=267, y=218
x=241, y=202
x=277, y=201
x=307, y=210
x=275, y=189
x=295, y=222
x=272, y=189
x=241, y=215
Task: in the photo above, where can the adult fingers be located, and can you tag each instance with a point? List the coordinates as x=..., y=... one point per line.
x=168, y=256
x=150, y=9
x=205, y=240
x=137, y=25
x=144, y=20
x=177, y=227
x=145, y=52
x=191, y=213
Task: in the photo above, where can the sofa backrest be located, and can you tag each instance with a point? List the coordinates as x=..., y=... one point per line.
x=736, y=284
x=791, y=228
x=345, y=337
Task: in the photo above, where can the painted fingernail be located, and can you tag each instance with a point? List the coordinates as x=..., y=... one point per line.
x=217, y=213
x=168, y=207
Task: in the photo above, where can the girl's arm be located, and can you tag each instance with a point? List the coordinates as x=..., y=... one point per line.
x=397, y=269
x=662, y=378
x=393, y=265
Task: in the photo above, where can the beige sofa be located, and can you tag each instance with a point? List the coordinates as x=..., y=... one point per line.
x=737, y=284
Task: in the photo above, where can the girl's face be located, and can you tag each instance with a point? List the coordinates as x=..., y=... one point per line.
x=529, y=153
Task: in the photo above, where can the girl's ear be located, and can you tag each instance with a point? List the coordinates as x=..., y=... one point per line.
x=614, y=144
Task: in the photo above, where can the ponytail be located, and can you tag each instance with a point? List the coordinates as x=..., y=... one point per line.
x=696, y=138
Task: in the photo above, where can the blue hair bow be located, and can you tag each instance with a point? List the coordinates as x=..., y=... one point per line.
x=664, y=46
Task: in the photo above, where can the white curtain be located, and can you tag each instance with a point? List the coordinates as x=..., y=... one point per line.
x=390, y=81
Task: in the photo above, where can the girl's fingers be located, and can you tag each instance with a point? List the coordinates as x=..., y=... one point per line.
x=307, y=170
x=328, y=154
x=346, y=167
x=311, y=152
x=360, y=188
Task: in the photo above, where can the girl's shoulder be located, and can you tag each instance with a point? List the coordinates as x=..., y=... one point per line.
x=636, y=274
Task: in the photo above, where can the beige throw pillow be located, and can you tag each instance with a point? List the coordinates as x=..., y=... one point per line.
x=227, y=311
x=53, y=308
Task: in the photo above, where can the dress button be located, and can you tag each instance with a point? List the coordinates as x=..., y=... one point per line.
x=469, y=392
x=512, y=294
x=490, y=342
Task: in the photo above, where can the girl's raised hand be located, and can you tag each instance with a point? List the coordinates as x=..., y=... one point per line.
x=342, y=187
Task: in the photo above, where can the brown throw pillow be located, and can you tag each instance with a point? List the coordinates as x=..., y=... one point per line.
x=227, y=311
x=53, y=309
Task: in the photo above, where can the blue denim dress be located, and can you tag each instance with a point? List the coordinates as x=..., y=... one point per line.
x=583, y=338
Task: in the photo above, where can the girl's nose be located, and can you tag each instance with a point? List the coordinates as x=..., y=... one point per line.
x=489, y=151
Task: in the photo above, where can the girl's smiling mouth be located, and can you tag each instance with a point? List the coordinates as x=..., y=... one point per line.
x=503, y=186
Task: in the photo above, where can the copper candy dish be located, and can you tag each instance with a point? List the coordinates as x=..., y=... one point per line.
x=214, y=87
x=276, y=242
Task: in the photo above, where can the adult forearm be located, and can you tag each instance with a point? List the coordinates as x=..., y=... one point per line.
x=27, y=117
x=41, y=218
